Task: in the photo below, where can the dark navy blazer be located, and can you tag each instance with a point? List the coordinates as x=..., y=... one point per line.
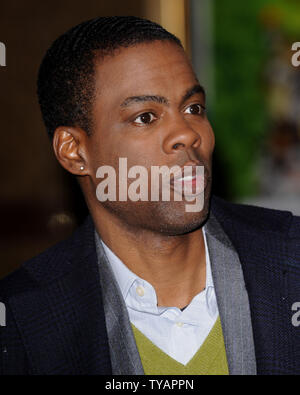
x=54, y=313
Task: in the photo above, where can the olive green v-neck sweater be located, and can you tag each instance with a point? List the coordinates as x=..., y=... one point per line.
x=210, y=359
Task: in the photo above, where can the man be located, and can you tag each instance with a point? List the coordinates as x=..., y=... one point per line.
x=147, y=286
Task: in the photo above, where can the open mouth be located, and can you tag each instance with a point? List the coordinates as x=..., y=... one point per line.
x=191, y=181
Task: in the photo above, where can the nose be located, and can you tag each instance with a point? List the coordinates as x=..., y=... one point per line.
x=181, y=137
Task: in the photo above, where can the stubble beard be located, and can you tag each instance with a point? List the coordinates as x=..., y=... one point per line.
x=167, y=218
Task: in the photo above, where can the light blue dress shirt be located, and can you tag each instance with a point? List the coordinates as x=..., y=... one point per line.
x=178, y=333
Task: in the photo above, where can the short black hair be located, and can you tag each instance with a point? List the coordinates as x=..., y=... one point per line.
x=66, y=75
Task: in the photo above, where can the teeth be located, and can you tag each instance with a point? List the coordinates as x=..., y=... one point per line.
x=188, y=178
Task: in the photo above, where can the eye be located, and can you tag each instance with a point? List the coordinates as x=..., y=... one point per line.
x=194, y=109
x=145, y=118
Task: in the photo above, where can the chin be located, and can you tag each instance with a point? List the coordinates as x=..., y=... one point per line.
x=167, y=218
x=171, y=218
x=177, y=222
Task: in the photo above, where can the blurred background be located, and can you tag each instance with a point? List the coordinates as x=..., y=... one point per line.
x=242, y=54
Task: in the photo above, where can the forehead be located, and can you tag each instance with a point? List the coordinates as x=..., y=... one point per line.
x=159, y=67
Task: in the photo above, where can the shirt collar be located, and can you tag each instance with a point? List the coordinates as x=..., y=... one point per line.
x=125, y=277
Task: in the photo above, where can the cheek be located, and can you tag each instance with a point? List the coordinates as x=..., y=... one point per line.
x=139, y=151
x=100, y=154
x=208, y=141
x=212, y=139
x=109, y=153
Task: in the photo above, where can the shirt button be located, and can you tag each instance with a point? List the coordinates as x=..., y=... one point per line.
x=179, y=324
x=140, y=290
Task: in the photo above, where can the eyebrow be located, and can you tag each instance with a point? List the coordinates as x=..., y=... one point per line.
x=144, y=98
x=193, y=91
x=160, y=99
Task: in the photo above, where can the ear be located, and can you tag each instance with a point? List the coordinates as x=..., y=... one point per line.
x=69, y=144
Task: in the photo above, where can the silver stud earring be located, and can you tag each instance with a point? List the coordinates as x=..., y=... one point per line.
x=81, y=168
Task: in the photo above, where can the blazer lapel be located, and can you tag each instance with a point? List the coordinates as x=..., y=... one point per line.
x=125, y=358
x=232, y=299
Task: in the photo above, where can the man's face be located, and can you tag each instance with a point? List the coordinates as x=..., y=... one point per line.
x=149, y=108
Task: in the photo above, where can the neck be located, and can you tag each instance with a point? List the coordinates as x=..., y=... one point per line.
x=173, y=265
